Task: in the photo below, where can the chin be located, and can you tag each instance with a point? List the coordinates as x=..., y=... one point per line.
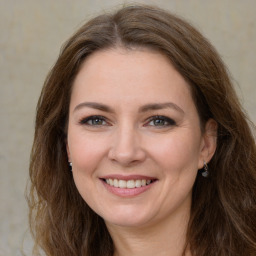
x=127, y=218
x=126, y=222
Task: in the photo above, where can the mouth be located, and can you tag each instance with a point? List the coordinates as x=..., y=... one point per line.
x=128, y=184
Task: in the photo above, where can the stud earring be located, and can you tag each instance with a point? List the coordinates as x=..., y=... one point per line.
x=205, y=173
x=70, y=164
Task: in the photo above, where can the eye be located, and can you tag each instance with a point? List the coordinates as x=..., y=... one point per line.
x=94, y=121
x=160, y=121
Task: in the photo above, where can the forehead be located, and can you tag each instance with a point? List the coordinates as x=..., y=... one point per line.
x=129, y=75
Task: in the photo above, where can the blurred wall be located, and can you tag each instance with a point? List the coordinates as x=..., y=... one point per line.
x=32, y=32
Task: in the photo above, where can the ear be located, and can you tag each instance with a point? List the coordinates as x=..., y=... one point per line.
x=209, y=142
x=68, y=152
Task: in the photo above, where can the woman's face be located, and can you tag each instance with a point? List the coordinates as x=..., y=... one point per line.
x=134, y=137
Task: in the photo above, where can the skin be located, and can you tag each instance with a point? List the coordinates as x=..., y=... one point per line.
x=129, y=138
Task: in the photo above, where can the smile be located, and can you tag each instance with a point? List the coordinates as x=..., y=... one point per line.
x=128, y=186
x=128, y=183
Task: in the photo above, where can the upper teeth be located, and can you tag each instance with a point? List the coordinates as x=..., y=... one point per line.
x=128, y=184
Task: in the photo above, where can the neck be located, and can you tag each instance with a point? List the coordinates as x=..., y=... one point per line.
x=167, y=237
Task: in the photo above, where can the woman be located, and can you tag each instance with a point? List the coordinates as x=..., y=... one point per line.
x=141, y=145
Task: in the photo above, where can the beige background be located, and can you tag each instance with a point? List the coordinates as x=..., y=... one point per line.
x=32, y=32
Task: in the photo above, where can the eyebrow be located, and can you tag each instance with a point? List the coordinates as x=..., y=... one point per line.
x=157, y=106
x=145, y=108
x=94, y=105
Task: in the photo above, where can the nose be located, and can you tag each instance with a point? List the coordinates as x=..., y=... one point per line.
x=126, y=147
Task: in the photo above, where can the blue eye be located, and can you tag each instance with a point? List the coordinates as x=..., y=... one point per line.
x=161, y=121
x=94, y=121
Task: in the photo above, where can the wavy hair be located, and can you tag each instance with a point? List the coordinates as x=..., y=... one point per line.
x=223, y=212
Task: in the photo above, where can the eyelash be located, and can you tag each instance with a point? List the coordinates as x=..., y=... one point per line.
x=85, y=121
x=166, y=121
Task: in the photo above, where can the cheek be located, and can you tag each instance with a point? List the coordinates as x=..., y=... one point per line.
x=86, y=152
x=176, y=152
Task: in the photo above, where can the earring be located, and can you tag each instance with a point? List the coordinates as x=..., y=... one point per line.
x=70, y=164
x=205, y=173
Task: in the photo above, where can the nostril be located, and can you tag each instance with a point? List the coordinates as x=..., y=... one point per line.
x=126, y=157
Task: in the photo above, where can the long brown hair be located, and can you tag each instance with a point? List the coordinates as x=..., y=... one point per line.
x=223, y=213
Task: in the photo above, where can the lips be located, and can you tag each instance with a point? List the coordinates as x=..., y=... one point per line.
x=128, y=185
